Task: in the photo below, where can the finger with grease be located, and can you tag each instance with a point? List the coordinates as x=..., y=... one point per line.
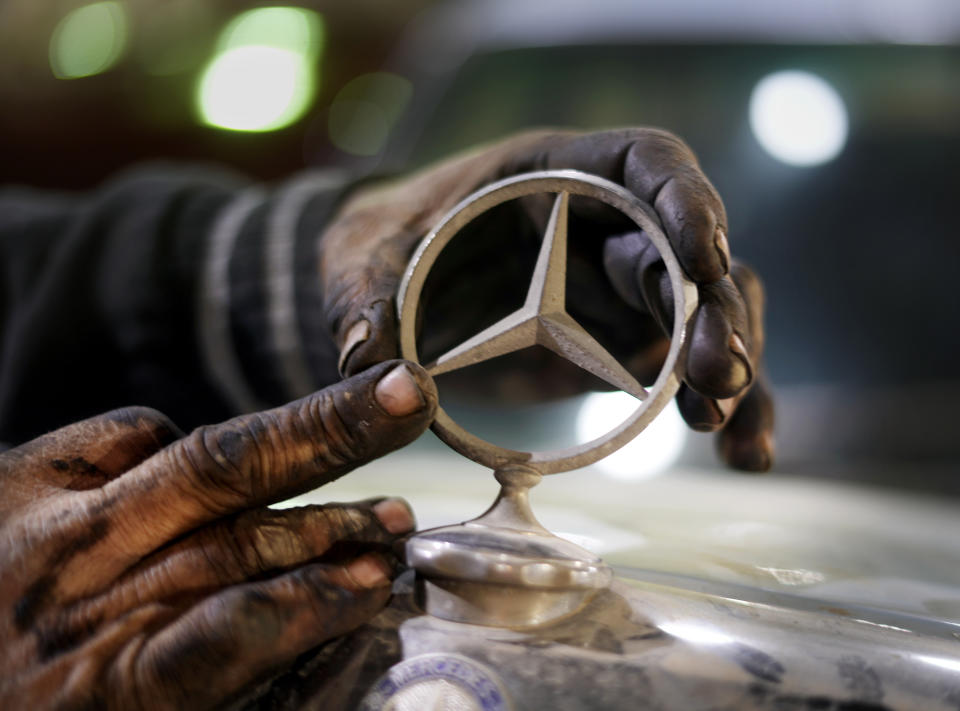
x=257, y=459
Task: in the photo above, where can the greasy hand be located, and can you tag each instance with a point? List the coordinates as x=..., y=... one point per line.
x=616, y=282
x=142, y=569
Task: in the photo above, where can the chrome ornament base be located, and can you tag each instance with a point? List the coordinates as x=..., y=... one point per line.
x=504, y=569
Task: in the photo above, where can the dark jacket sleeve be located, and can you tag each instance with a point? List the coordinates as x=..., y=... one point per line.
x=184, y=289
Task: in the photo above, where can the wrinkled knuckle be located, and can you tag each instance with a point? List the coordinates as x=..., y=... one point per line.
x=348, y=522
x=219, y=448
x=339, y=439
x=257, y=616
x=252, y=604
x=262, y=545
x=329, y=600
x=209, y=458
x=131, y=679
x=232, y=556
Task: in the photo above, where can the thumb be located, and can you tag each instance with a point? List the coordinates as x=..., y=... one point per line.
x=362, y=259
x=368, y=332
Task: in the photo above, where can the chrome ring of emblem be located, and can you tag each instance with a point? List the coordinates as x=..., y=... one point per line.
x=532, y=318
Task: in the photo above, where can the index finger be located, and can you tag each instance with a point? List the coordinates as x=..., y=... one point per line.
x=660, y=169
x=264, y=457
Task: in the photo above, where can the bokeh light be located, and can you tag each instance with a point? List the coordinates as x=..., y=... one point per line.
x=88, y=40
x=255, y=89
x=365, y=110
x=651, y=452
x=294, y=28
x=798, y=118
x=263, y=75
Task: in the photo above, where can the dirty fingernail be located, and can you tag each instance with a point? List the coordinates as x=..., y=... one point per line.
x=395, y=515
x=723, y=248
x=369, y=571
x=398, y=392
x=358, y=333
x=708, y=417
x=739, y=349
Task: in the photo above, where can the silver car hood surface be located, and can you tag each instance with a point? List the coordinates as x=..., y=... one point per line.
x=736, y=592
x=829, y=542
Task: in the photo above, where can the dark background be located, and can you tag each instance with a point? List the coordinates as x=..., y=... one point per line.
x=74, y=133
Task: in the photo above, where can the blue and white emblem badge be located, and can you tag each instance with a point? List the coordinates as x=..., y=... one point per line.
x=438, y=682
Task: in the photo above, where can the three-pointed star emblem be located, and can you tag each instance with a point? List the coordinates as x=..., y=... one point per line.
x=543, y=320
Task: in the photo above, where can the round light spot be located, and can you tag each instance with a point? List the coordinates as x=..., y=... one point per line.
x=365, y=110
x=651, y=452
x=264, y=74
x=798, y=118
x=294, y=28
x=358, y=127
x=255, y=88
x=88, y=40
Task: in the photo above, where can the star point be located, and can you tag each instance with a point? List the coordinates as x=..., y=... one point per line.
x=543, y=320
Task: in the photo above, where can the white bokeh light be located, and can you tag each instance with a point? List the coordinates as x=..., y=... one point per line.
x=255, y=88
x=263, y=72
x=651, y=452
x=798, y=118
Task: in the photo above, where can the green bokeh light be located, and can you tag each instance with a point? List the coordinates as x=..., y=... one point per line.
x=294, y=28
x=88, y=40
x=264, y=73
x=365, y=110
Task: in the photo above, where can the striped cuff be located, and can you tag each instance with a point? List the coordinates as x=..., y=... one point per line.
x=262, y=330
